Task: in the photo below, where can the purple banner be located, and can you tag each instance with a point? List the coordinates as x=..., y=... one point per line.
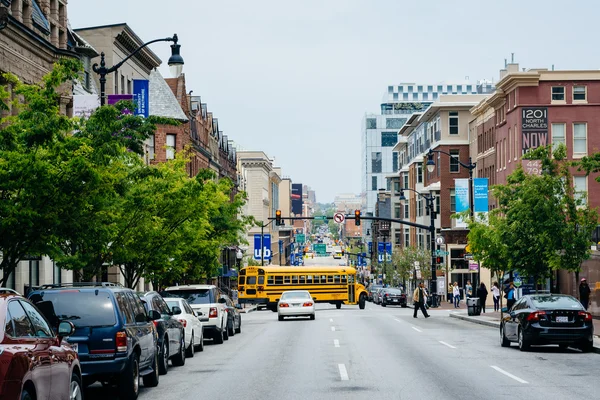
x=115, y=98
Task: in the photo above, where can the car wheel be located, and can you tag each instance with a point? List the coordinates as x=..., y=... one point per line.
x=201, y=345
x=280, y=317
x=312, y=317
x=163, y=357
x=75, y=388
x=523, y=343
x=189, y=352
x=230, y=329
x=179, y=358
x=239, y=328
x=338, y=305
x=361, y=302
x=151, y=380
x=26, y=395
x=504, y=342
x=129, y=380
x=226, y=332
x=383, y=304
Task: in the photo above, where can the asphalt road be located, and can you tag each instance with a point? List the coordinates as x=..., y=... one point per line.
x=373, y=353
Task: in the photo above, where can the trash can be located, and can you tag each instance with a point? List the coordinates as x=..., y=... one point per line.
x=473, y=306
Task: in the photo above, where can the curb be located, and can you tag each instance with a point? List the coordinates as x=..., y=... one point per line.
x=492, y=324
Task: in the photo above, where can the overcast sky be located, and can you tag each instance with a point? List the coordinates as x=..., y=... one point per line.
x=294, y=79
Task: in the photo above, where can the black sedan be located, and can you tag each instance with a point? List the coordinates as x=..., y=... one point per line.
x=392, y=297
x=539, y=319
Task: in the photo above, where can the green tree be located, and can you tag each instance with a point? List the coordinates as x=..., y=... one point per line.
x=403, y=261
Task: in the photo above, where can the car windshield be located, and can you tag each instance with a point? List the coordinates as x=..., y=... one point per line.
x=295, y=295
x=83, y=309
x=394, y=291
x=193, y=296
x=556, y=302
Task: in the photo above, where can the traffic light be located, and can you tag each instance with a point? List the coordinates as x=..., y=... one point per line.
x=438, y=260
x=278, y=220
x=357, y=217
x=342, y=252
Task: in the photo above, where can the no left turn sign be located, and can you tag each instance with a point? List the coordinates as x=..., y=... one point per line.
x=339, y=218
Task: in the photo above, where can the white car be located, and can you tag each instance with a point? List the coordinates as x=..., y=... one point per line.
x=296, y=303
x=205, y=299
x=192, y=324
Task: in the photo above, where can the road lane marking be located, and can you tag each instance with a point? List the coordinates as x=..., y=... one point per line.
x=516, y=378
x=336, y=343
x=446, y=344
x=416, y=329
x=343, y=372
x=333, y=328
x=396, y=319
x=330, y=319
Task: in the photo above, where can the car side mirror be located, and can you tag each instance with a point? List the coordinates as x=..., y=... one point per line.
x=203, y=318
x=315, y=299
x=65, y=328
x=176, y=310
x=153, y=315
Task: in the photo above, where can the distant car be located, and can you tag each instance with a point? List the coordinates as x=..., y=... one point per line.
x=372, y=290
x=377, y=295
x=538, y=319
x=234, y=318
x=296, y=303
x=392, y=297
x=192, y=324
x=171, y=334
x=114, y=335
x=204, y=299
x=34, y=362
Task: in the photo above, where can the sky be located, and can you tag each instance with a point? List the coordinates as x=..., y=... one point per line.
x=295, y=79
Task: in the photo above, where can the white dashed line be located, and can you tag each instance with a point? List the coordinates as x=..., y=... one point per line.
x=446, y=344
x=516, y=378
x=333, y=328
x=416, y=329
x=336, y=343
x=343, y=372
x=396, y=319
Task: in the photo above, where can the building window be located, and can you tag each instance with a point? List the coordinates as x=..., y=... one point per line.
x=452, y=200
x=389, y=139
x=116, y=82
x=151, y=150
x=579, y=139
x=454, y=156
x=509, y=145
x=397, y=211
x=437, y=204
x=406, y=210
x=580, y=188
x=376, y=162
x=419, y=207
x=406, y=237
x=396, y=187
x=395, y=161
x=558, y=93
x=558, y=135
x=122, y=84
x=405, y=180
x=170, y=147
x=371, y=123
x=128, y=86
x=453, y=122
x=397, y=237
x=57, y=279
x=437, y=166
x=420, y=239
x=373, y=183
x=579, y=93
x=419, y=172
x=34, y=273
x=394, y=123
x=388, y=185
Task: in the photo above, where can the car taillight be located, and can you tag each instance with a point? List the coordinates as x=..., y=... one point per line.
x=213, y=312
x=586, y=316
x=184, y=322
x=535, y=316
x=386, y=295
x=307, y=304
x=284, y=305
x=121, y=342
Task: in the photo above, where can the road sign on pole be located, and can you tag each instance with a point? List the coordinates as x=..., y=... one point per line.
x=320, y=218
x=339, y=218
x=300, y=238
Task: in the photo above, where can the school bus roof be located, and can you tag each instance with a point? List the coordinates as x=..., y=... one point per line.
x=305, y=270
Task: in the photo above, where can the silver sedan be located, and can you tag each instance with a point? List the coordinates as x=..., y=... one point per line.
x=296, y=303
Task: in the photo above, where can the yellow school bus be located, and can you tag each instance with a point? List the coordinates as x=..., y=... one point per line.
x=333, y=285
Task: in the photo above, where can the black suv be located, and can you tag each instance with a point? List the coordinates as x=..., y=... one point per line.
x=234, y=318
x=171, y=334
x=114, y=335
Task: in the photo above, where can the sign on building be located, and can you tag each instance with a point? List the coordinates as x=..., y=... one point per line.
x=266, y=247
x=534, y=128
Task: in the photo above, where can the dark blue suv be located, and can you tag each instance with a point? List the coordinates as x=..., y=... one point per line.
x=114, y=335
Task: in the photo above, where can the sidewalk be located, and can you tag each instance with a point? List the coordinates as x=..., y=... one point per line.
x=492, y=319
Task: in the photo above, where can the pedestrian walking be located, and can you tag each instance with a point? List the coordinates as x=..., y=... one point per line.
x=496, y=296
x=468, y=290
x=450, y=293
x=510, y=295
x=482, y=293
x=584, y=293
x=419, y=300
x=456, y=294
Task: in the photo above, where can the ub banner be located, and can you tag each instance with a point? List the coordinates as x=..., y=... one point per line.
x=266, y=246
x=480, y=188
x=140, y=97
x=461, y=191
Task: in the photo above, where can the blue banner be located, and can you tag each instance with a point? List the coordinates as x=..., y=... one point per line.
x=480, y=189
x=388, y=247
x=461, y=193
x=141, y=97
x=370, y=247
x=266, y=247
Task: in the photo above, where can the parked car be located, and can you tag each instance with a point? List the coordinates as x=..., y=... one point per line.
x=393, y=297
x=114, y=335
x=234, y=318
x=538, y=319
x=26, y=338
x=192, y=324
x=296, y=303
x=4, y=290
x=372, y=291
x=204, y=299
x=171, y=334
x=377, y=295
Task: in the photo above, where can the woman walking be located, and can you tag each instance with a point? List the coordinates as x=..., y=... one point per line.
x=482, y=294
x=496, y=296
x=456, y=294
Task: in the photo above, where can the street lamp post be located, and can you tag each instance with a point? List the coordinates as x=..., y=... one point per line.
x=429, y=200
x=470, y=166
x=175, y=63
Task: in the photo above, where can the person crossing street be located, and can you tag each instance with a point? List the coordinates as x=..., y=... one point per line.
x=419, y=300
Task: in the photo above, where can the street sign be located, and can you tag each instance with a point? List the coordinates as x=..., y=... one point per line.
x=320, y=218
x=339, y=218
x=320, y=248
x=441, y=253
x=300, y=238
x=517, y=282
